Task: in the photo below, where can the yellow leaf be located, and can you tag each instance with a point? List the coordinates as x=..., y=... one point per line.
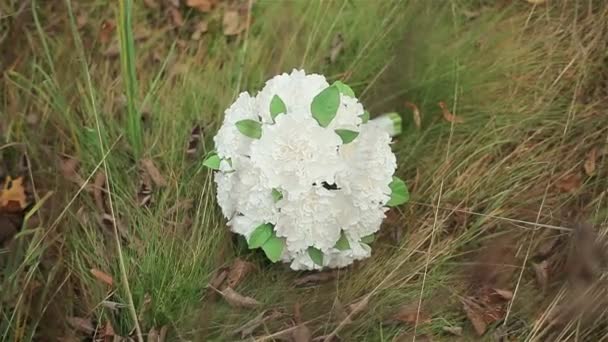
x=12, y=195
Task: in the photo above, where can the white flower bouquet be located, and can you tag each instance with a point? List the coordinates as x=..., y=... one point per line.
x=303, y=174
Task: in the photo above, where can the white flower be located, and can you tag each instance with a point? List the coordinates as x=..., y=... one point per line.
x=295, y=153
x=229, y=142
x=296, y=90
x=300, y=177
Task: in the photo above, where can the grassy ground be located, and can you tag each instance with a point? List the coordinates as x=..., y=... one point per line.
x=529, y=82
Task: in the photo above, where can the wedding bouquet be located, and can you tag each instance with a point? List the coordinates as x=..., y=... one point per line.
x=303, y=174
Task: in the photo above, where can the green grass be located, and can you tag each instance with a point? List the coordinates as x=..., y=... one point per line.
x=525, y=79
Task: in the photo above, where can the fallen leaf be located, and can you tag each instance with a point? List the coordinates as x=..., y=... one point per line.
x=152, y=4
x=162, y=336
x=337, y=45
x=472, y=311
x=235, y=299
x=32, y=119
x=505, y=294
x=590, y=162
x=250, y=327
x=547, y=245
x=112, y=51
x=176, y=16
x=194, y=140
x=536, y=2
x=98, y=191
x=415, y=113
x=569, y=183
x=201, y=27
x=453, y=330
x=232, y=23
x=447, y=115
x=102, y=276
x=152, y=335
x=81, y=324
x=108, y=332
x=238, y=271
x=12, y=195
x=409, y=314
x=144, y=193
x=302, y=334
x=541, y=270
x=218, y=279
x=81, y=21
x=174, y=3
x=106, y=31
x=204, y=6
x=315, y=278
x=69, y=170
x=151, y=169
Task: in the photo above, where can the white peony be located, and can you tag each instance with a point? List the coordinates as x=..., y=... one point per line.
x=294, y=182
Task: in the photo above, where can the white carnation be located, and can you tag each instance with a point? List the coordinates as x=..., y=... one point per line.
x=314, y=190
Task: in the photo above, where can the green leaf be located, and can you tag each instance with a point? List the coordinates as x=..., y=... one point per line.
x=364, y=117
x=250, y=128
x=399, y=193
x=273, y=248
x=347, y=135
x=260, y=235
x=342, y=243
x=276, y=195
x=325, y=105
x=368, y=239
x=277, y=106
x=344, y=89
x=212, y=161
x=316, y=255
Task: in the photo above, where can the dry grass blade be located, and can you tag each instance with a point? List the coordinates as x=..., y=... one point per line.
x=81, y=324
x=98, y=191
x=251, y=326
x=590, y=162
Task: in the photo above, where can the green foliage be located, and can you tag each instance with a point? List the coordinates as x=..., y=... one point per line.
x=260, y=235
x=399, y=193
x=342, y=243
x=212, y=161
x=273, y=247
x=325, y=105
x=250, y=128
x=344, y=88
x=316, y=255
x=346, y=135
x=277, y=106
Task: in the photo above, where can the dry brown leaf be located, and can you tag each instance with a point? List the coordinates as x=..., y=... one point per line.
x=194, y=140
x=235, y=299
x=233, y=23
x=541, y=270
x=201, y=27
x=473, y=312
x=152, y=335
x=409, y=314
x=536, y=2
x=504, y=294
x=569, y=183
x=152, y=4
x=415, y=113
x=339, y=311
x=453, y=330
x=238, y=271
x=302, y=334
x=204, y=6
x=108, y=332
x=176, y=16
x=152, y=170
x=590, y=162
x=69, y=170
x=315, y=278
x=144, y=193
x=98, y=191
x=337, y=45
x=218, y=279
x=81, y=21
x=106, y=31
x=358, y=306
x=448, y=116
x=112, y=51
x=81, y=324
x=162, y=336
x=12, y=195
x=102, y=276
